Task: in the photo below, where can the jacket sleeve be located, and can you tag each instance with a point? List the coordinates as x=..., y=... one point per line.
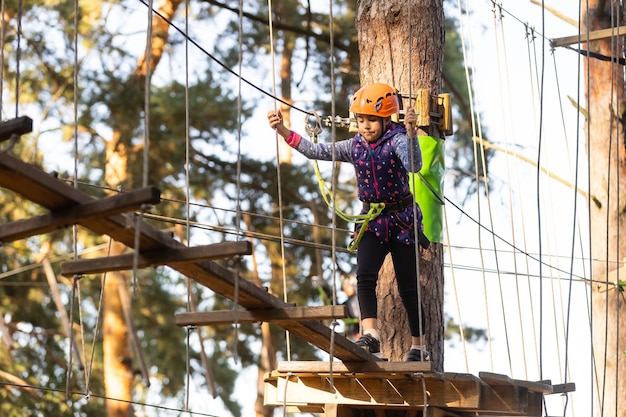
x=401, y=144
x=320, y=151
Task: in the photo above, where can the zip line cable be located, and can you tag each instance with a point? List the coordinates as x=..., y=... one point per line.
x=223, y=65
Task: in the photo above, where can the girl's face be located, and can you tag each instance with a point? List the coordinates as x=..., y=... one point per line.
x=370, y=127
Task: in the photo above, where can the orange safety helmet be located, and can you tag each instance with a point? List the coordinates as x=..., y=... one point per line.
x=376, y=100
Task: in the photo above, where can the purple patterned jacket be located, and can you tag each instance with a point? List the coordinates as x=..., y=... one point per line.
x=382, y=175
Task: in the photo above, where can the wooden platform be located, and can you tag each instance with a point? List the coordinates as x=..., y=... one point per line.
x=341, y=389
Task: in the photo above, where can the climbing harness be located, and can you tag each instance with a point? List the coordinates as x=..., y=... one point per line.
x=313, y=127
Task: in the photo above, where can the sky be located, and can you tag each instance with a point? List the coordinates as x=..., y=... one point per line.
x=529, y=320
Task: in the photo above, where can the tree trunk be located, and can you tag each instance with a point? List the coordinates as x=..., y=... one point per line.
x=408, y=59
x=607, y=145
x=118, y=375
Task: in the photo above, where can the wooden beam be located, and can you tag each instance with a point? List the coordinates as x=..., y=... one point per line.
x=155, y=257
x=593, y=36
x=58, y=219
x=272, y=315
x=45, y=190
x=18, y=126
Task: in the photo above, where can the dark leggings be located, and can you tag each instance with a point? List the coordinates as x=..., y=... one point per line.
x=370, y=257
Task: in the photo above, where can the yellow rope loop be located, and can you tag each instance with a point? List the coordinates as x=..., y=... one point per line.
x=374, y=211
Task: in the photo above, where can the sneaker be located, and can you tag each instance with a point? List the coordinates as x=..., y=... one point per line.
x=369, y=343
x=417, y=355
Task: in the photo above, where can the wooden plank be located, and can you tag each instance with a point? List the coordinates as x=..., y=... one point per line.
x=495, y=379
x=372, y=391
x=503, y=380
x=18, y=126
x=375, y=368
x=593, y=36
x=563, y=388
x=155, y=257
x=58, y=219
x=45, y=190
x=501, y=394
x=272, y=315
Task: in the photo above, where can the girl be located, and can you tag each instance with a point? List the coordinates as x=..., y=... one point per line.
x=382, y=159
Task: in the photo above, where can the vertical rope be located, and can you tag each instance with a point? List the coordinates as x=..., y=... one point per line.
x=334, y=181
x=278, y=173
x=456, y=296
x=18, y=55
x=75, y=280
x=479, y=154
x=538, y=185
x=190, y=303
x=473, y=112
x=2, y=40
x=412, y=144
x=68, y=380
x=147, y=82
x=505, y=89
x=530, y=38
x=146, y=142
x=615, y=52
x=607, y=254
x=238, y=212
x=589, y=202
x=576, y=227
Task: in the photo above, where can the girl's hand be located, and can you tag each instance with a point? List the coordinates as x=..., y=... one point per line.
x=275, y=118
x=410, y=120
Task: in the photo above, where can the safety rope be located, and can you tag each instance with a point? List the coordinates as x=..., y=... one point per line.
x=278, y=172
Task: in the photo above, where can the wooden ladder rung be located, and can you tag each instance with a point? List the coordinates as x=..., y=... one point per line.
x=155, y=257
x=78, y=213
x=273, y=315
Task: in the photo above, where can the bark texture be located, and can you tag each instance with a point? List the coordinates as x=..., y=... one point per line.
x=607, y=156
